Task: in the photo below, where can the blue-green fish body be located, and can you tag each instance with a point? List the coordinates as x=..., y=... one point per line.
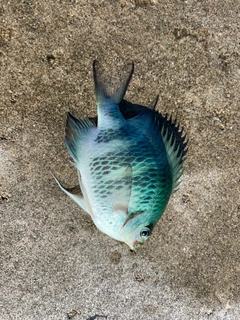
x=128, y=168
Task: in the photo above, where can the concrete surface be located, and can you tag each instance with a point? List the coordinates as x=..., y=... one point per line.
x=54, y=263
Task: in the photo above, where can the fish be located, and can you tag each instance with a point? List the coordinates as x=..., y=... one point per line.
x=129, y=161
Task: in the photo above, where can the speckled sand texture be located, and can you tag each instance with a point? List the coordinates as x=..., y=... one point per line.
x=54, y=263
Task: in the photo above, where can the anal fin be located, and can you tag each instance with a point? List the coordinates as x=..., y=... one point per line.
x=76, y=131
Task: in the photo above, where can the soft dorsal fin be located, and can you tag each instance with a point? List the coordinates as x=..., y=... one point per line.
x=106, y=95
x=75, y=133
x=146, y=121
x=153, y=104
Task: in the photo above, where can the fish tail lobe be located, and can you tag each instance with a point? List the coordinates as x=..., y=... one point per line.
x=107, y=94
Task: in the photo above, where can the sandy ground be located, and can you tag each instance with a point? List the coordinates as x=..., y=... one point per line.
x=54, y=263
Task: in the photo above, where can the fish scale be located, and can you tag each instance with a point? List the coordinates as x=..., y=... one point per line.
x=133, y=155
x=127, y=167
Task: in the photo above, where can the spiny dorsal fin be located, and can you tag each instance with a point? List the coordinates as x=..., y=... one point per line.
x=175, y=146
x=105, y=93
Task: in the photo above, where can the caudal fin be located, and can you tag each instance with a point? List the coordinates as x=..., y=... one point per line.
x=107, y=93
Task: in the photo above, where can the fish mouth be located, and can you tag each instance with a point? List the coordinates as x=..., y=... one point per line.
x=135, y=245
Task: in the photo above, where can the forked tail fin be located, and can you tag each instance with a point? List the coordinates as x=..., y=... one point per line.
x=106, y=93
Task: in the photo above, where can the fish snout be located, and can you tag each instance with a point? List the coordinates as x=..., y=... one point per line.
x=136, y=244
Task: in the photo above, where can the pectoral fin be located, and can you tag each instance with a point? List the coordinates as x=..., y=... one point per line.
x=122, y=191
x=78, y=199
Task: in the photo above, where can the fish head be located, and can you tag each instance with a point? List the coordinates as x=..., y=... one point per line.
x=136, y=231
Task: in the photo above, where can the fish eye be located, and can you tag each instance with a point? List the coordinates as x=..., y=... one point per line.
x=145, y=233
